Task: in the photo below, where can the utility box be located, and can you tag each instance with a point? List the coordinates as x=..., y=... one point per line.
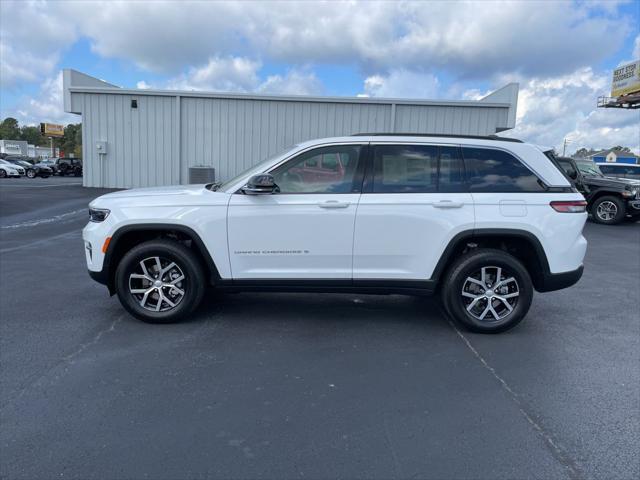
x=202, y=174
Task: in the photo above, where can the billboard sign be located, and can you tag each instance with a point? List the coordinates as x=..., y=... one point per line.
x=626, y=79
x=52, y=130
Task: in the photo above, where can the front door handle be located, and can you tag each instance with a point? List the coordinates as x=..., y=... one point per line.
x=447, y=204
x=333, y=204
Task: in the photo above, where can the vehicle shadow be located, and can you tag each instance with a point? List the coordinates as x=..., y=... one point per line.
x=323, y=309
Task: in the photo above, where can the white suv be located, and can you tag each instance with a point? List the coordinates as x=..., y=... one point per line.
x=482, y=220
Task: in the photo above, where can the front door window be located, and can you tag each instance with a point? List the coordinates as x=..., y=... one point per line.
x=323, y=170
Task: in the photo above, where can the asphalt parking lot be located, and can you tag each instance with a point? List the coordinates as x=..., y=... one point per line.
x=305, y=385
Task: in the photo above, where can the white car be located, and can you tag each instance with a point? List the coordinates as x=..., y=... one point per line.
x=9, y=170
x=483, y=221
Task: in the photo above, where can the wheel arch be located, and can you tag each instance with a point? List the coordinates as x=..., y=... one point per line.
x=523, y=245
x=126, y=237
x=601, y=192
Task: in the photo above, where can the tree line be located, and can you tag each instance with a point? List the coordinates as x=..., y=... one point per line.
x=71, y=142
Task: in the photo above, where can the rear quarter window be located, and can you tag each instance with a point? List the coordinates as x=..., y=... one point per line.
x=490, y=170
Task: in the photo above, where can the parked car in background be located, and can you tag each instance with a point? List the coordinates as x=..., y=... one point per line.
x=9, y=170
x=20, y=169
x=620, y=170
x=32, y=170
x=609, y=199
x=68, y=166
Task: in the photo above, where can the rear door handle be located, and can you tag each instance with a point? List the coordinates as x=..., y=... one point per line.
x=333, y=204
x=447, y=204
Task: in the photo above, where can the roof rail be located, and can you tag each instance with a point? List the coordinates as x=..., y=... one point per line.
x=476, y=137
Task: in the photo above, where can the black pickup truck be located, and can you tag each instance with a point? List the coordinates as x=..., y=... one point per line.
x=610, y=200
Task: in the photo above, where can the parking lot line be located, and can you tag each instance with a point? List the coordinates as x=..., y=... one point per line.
x=33, y=223
x=39, y=186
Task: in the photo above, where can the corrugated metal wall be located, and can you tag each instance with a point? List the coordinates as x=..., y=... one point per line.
x=157, y=142
x=449, y=119
x=232, y=135
x=142, y=143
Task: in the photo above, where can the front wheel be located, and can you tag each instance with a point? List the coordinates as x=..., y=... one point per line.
x=608, y=210
x=31, y=173
x=3, y=174
x=160, y=281
x=487, y=291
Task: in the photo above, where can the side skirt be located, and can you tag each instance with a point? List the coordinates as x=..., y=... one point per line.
x=374, y=287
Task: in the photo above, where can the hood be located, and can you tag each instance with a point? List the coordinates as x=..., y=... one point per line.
x=176, y=196
x=611, y=181
x=157, y=191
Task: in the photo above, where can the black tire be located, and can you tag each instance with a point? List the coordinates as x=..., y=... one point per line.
x=3, y=174
x=457, y=280
x=608, y=210
x=31, y=173
x=169, y=251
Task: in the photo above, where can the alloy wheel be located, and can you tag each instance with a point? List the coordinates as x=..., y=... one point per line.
x=607, y=211
x=157, y=284
x=490, y=294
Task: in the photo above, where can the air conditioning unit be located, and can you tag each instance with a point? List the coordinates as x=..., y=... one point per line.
x=202, y=174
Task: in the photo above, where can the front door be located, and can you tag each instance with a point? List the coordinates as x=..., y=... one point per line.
x=305, y=231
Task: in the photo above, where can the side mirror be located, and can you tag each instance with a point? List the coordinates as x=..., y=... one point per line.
x=573, y=175
x=261, y=184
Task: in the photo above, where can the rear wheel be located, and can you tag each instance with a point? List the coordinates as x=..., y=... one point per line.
x=160, y=281
x=487, y=291
x=31, y=173
x=608, y=210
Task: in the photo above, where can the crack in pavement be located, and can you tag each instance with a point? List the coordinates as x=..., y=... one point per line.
x=66, y=360
x=556, y=450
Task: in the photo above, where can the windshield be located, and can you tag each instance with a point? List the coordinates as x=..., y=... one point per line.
x=255, y=169
x=589, y=168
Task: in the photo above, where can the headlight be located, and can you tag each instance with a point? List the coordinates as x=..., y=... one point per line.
x=98, y=214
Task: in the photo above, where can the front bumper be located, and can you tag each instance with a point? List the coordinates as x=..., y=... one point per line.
x=633, y=207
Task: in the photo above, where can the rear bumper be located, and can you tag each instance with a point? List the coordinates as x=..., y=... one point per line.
x=558, y=281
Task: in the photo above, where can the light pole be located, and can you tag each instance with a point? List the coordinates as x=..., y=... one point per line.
x=564, y=146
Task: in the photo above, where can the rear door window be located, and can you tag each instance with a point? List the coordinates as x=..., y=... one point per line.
x=490, y=170
x=405, y=169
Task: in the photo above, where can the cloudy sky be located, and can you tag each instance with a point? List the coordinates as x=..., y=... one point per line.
x=561, y=53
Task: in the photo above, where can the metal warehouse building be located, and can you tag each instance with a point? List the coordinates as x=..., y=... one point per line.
x=135, y=138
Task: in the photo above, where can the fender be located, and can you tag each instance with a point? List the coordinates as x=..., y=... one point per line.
x=107, y=275
x=541, y=280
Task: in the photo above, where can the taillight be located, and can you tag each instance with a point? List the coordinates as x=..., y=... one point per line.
x=573, y=206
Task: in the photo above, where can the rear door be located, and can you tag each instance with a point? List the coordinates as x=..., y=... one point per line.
x=414, y=202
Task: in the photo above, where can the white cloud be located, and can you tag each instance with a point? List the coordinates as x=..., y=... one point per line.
x=46, y=106
x=473, y=39
x=142, y=85
x=402, y=84
x=240, y=74
x=293, y=83
x=32, y=36
x=227, y=74
x=551, y=109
